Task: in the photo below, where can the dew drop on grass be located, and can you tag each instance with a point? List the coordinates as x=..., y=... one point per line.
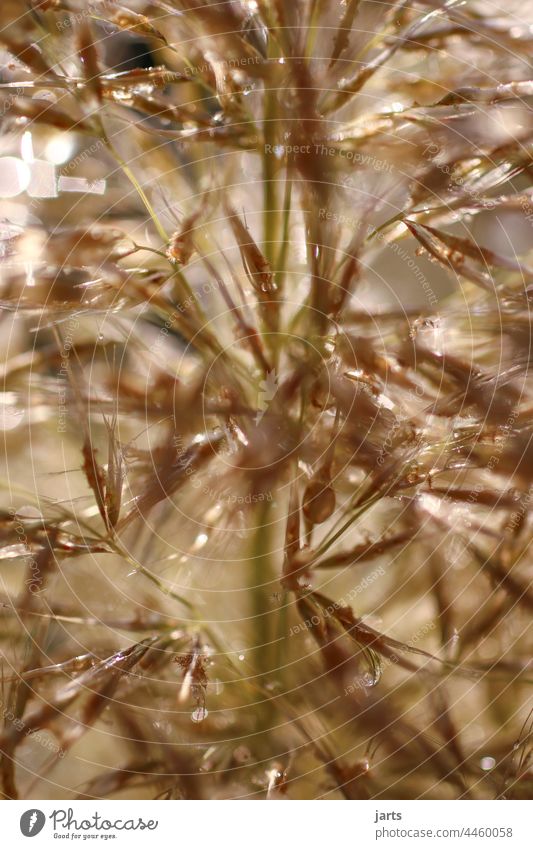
x=199, y=714
x=123, y=96
x=45, y=95
x=145, y=89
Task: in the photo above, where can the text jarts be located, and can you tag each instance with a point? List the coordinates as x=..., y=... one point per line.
x=387, y=815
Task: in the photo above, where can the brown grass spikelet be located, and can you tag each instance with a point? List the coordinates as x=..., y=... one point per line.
x=266, y=508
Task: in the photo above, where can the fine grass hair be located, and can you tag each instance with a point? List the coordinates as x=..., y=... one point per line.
x=265, y=502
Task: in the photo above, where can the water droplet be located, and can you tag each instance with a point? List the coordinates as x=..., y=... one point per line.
x=199, y=714
x=487, y=763
x=369, y=679
x=145, y=89
x=123, y=96
x=45, y=95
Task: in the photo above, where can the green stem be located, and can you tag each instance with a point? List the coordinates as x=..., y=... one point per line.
x=261, y=572
x=270, y=205
x=284, y=247
x=138, y=188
